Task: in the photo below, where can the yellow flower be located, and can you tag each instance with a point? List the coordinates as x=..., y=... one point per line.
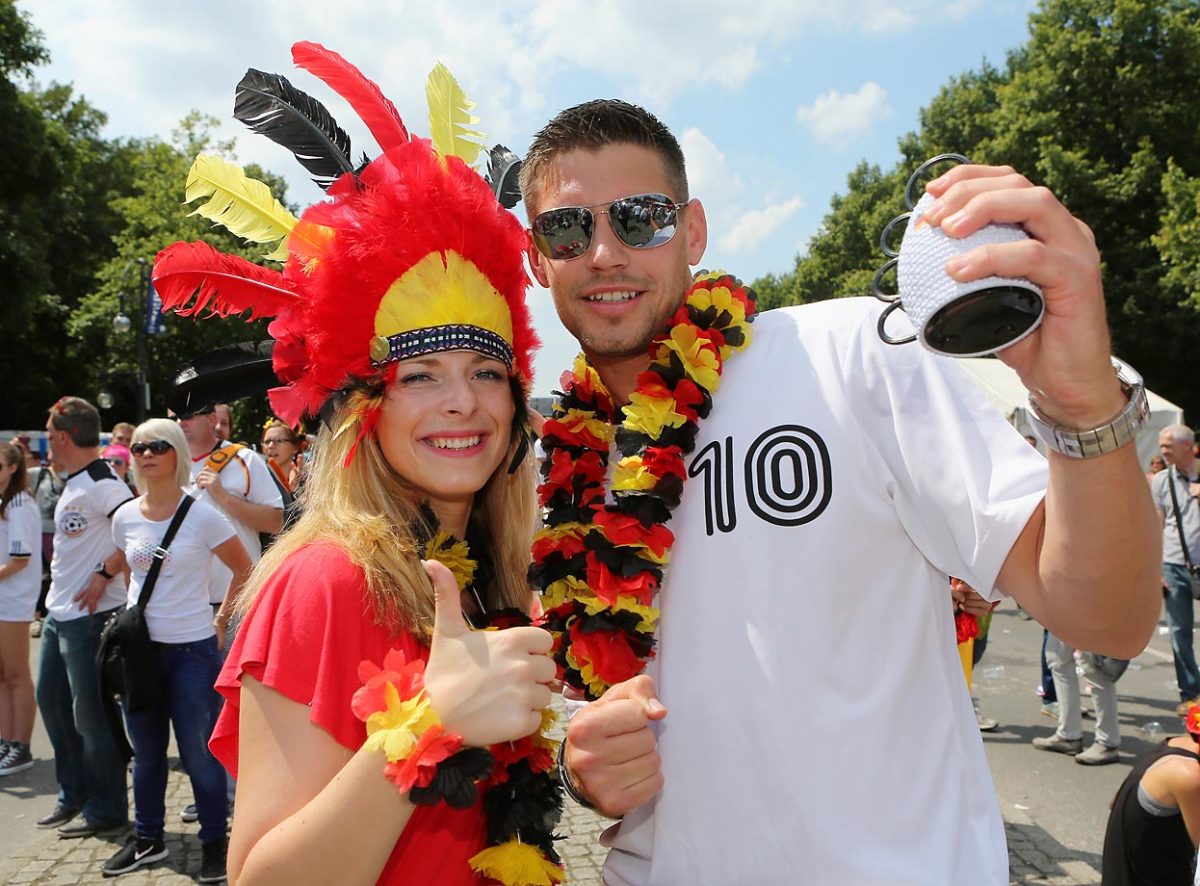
x=517, y=864
x=395, y=729
x=454, y=555
x=577, y=420
x=699, y=360
x=558, y=592
x=648, y=614
x=631, y=474
x=649, y=414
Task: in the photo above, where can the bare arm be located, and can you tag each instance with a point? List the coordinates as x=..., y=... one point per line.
x=233, y=554
x=260, y=518
x=308, y=809
x=13, y=566
x=1086, y=565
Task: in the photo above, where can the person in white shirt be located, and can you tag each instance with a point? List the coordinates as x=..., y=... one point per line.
x=188, y=643
x=242, y=489
x=20, y=581
x=86, y=587
x=805, y=720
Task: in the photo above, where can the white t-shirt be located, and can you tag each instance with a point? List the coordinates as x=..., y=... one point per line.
x=819, y=729
x=21, y=539
x=246, y=476
x=83, y=538
x=178, y=611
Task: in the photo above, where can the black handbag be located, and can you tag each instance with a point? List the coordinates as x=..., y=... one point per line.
x=126, y=657
x=1192, y=569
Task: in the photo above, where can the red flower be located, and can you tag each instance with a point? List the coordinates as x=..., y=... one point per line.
x=506, y=753
x=621, y=529
x=419, y=767
x=607, y=652
x=662, y=461
x=608, y=586
x=407, y=676
x=966, y=627
x=567, y=545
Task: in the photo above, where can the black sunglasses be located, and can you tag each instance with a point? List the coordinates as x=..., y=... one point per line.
x=642, y=221
x=158, y=447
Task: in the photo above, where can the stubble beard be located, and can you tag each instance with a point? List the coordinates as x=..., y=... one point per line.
x=621, y=339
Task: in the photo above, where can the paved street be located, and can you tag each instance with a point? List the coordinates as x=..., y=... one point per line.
x=1054, y=809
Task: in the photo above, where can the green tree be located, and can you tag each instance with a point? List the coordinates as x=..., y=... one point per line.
x=150, y=218
x=1098, y=106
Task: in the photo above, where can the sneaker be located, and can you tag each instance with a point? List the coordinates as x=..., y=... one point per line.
x=59, y=817
x=985, y=724
x=136, y=853
x=17, y=759
x=84, y=828
x=35, y=628
x=1098, y=755
x=1050, y=709
x=189, y=813
x=1069, y=746
x=212, y=862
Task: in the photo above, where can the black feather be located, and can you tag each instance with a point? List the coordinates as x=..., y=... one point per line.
x=273, y=107
x=503, y=169
x=240, y=370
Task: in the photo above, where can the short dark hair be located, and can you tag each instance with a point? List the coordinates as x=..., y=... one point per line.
x=79, y=419
x=593, y=125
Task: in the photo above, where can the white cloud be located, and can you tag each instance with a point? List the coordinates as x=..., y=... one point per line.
x=836, y=118
x=709, y=175
x=756, y=225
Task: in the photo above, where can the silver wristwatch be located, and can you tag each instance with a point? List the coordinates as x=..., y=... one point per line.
x=1107, y=437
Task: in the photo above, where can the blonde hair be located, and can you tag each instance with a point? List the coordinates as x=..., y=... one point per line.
x=368, y=510
x=163, y=429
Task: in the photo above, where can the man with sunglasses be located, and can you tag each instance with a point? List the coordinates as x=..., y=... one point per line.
x=86, y=587
x=806, y=688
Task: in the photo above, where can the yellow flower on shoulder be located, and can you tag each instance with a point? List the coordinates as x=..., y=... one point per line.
x=699, y=359
x=396, y=728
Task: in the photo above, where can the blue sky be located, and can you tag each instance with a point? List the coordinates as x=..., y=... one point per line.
x=774, y=102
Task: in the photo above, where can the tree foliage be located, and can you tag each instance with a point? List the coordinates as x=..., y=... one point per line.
x=81, y=219
x=1099, y=106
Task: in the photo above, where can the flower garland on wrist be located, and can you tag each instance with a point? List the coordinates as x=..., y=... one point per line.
x=599, y=565
x=522, y=800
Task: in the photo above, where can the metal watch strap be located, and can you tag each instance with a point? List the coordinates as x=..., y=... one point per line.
x=1106, y=438
x=564, y=776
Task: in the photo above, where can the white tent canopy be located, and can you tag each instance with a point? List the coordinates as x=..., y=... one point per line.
x=1004, y=389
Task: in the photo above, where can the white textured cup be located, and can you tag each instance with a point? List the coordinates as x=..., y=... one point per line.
x=925, y=287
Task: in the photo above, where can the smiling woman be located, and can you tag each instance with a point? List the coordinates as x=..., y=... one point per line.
x=408, y=334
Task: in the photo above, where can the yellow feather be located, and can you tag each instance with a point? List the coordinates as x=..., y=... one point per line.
x=517, y=864
x=443, y=290
x=243, y=205
x=450, y=119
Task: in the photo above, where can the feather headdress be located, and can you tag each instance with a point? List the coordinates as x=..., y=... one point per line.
x=412, y=252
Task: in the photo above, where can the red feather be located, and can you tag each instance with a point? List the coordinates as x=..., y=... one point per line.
x=375, y=109
x=223, y=283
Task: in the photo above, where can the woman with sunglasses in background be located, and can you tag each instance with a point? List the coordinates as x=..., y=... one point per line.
x=119, y=458
x=284, y=449
x=376, y=733
x=20, y=581
x=180, y=621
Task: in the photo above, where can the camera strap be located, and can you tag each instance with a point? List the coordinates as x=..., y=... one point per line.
x=1187, y=558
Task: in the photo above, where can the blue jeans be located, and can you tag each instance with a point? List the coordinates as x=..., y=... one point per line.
x=1180, y=618
x=87, y=765
x=189, y=671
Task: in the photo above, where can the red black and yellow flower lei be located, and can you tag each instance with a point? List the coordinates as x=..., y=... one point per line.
x=598, y=565
x=522, y=799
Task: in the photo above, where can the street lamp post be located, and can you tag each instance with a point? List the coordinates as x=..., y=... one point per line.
x=145, y=306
